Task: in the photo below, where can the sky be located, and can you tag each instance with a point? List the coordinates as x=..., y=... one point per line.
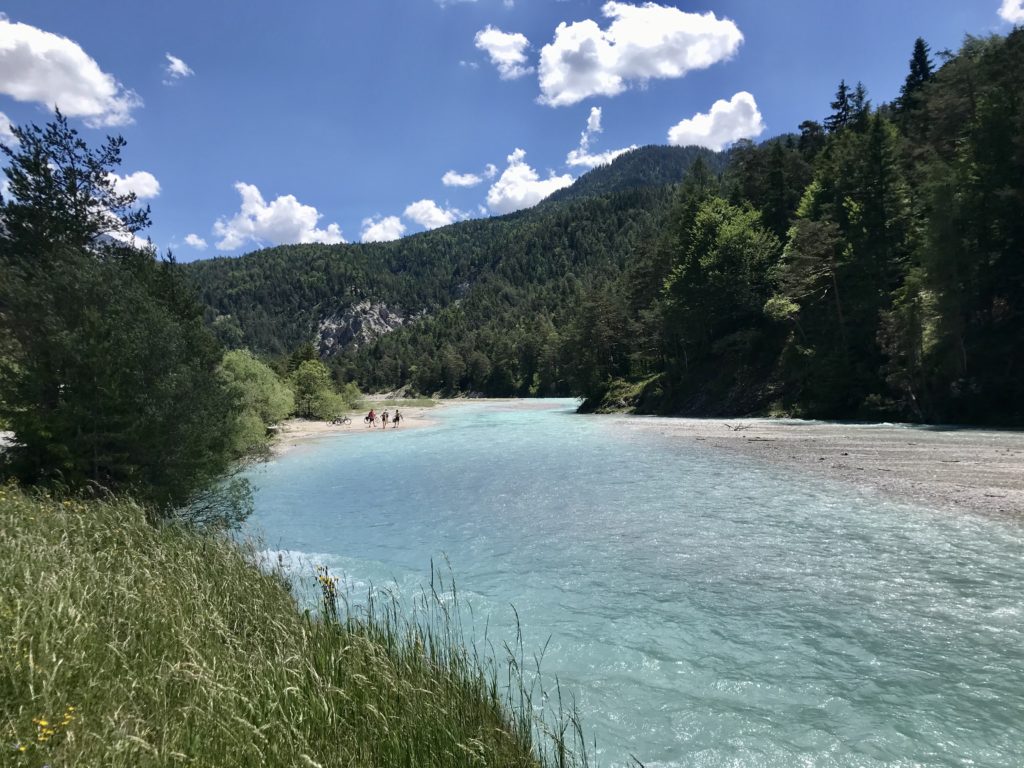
x=256, y=123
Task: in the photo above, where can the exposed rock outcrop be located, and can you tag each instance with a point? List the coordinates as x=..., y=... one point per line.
x=357, y=325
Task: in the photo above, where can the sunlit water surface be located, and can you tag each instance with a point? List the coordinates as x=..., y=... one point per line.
x=704, y=609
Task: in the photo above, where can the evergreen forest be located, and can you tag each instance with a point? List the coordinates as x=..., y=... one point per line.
x=868, y=265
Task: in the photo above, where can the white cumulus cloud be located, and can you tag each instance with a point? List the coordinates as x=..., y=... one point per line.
x=727, y=122
x=6, y=134
x=456, y=179
x=382, y=229
x=128, y=238
x=643, y=42
x=1012, y=11
x=520, y=186
x=582, y=156
x=283, y=220
x=430, y=215
x=195, y=241
x=142, y=183
x=115, y=232
x=176, y=69
x=507, y=51
x=43, y=67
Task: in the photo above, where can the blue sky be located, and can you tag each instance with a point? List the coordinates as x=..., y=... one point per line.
x=284, y=122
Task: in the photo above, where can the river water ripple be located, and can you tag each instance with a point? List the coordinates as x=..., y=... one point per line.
x=704, y=609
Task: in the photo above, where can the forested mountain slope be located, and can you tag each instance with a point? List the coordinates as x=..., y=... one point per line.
x=873, y=268
x=650, y=166
x=871, y=265
x=499, y=278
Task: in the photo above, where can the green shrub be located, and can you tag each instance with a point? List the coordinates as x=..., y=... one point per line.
x=260, y=400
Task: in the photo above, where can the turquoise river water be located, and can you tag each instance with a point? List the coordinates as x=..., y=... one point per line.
x=703, y=609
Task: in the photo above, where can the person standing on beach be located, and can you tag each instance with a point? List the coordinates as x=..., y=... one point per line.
x=371, y=419
x=384, y=420
x=396, y=418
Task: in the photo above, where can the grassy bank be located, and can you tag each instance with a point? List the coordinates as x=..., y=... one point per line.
x=124, y=645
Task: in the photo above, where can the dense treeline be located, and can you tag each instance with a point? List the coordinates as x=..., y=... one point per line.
x=104, y=343
x=871, y=267
x=109, y=377
x=867, y=266
x=502, y=337
x=487, y=295
x=650, y=166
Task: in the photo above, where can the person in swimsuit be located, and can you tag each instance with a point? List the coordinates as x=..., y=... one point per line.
x=395, y=419
x=384, y=420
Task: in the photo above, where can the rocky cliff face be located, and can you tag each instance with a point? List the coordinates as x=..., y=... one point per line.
x=359, y=324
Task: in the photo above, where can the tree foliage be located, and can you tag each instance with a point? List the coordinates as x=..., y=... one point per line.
x=108, y=376
x=260, y=399
x=315, y=394
x=868, y=266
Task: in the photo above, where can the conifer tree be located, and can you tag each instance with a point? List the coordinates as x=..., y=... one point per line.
x=812, y=138
x=860, y=107
x=910, y=103
x=921, y=71
x=841, y=109
x=111, y=380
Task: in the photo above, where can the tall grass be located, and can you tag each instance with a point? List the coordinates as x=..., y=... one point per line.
x=125, y=645
x=432, y=627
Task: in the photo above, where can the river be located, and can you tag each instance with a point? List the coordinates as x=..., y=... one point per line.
x=704, y=609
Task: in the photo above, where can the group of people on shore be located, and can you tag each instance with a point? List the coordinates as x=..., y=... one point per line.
x=372, y=419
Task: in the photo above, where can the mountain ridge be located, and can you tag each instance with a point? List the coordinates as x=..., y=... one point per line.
x=325, y=280
x=651, y=165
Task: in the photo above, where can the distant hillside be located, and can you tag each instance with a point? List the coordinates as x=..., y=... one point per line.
x=868, y=267
x=276, y=299
x=650, y=166
x=451, y=284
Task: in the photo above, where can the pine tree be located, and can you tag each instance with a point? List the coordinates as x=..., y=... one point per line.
x=777, y=207
x=841, y=110
x=860, y=107
x=111, y=382
x=812, y=138
x=921, y=71
x=910, y=103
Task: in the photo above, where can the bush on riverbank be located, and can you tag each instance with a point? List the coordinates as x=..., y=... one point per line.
x=128, y=645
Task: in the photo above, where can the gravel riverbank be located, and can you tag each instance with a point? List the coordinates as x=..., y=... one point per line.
x=952, y=468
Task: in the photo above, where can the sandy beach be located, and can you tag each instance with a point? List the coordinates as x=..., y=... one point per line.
x=947, y=468
x=294, y=433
